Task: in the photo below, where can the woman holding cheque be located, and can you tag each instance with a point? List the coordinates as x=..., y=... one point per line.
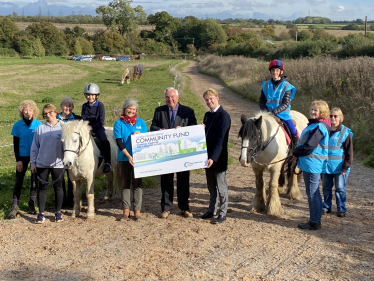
x=129, y=124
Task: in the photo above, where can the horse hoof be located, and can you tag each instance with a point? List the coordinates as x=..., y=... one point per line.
x=90, y=217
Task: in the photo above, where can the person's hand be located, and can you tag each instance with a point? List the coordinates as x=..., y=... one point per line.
x=33, y=169
x=210, y=163
x=89, y=128
x=19, y=166
x=131, y=160
x=177, y=127
x=343, y=173
x=136, y=132
x=203, y=124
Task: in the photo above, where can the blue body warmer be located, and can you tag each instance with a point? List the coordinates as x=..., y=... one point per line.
x=274, y=97
x=315, y=162
x=123, y=130
x=336, y=152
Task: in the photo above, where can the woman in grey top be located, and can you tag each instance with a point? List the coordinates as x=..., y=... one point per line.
x=46, y=157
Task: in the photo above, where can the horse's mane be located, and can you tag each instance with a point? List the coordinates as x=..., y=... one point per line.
x=249, y=129
x=70, y=128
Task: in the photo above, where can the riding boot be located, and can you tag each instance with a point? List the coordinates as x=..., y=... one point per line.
x=295, y=139
x=107, y=158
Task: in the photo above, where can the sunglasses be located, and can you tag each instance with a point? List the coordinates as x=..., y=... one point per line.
x=335, y=116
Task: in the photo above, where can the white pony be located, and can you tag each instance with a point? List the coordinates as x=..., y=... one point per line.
x=264, y=143
x=126, y=76
x=81, y=157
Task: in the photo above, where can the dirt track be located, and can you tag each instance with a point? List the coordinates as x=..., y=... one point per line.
x=248, y=246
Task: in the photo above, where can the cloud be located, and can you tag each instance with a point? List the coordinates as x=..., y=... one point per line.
x=337, y=8
x=247, y=4
x=315, y=2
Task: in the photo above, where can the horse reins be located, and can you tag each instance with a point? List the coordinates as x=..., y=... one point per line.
x=79, y=153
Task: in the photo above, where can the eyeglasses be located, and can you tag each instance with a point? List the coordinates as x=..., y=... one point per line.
x=334, y=116
x=47, y=113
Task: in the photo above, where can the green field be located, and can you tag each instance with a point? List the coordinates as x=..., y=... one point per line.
x=51, y=79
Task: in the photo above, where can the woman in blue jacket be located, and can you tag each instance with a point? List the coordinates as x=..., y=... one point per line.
x=23, y=132
x=129, y=124
x=312, y=156
x=340, y=157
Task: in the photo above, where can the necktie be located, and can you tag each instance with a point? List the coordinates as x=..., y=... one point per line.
x=172, y=119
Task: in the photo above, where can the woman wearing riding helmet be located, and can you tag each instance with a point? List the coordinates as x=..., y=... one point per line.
x=93, y=111
x=276, y=96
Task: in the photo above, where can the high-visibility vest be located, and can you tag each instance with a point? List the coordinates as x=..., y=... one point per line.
x=274, y=97
x=316, y=161
x=336, y=157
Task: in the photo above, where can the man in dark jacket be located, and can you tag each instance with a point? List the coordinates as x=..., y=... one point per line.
x=217, y=126
x=174, y=115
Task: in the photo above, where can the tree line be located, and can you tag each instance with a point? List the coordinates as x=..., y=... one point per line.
x=173, y=35
x=122, y=36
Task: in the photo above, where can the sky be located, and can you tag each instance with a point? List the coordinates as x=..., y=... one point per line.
x=276, y=9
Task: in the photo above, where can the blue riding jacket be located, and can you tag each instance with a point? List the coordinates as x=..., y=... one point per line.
x=274, y=97
x=314, y=162
x=336, y=156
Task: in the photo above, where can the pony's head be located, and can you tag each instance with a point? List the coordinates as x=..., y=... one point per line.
x=74, y=137
x=251, y=135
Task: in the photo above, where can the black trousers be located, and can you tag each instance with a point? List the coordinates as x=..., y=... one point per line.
x=57, y=186
x=69, y=197
x=183, y=190
x=20, y=176
x=100, y=133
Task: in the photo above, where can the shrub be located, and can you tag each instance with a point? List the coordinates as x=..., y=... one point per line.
x=4, y=52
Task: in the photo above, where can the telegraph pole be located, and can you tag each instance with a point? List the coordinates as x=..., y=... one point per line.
x=366, y=24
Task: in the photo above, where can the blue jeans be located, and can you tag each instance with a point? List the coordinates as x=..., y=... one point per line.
x=290, y=126
x=314, y=196
x=340, y=181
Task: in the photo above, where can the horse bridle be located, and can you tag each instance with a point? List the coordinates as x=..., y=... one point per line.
x=260, y=149
x=79, y=146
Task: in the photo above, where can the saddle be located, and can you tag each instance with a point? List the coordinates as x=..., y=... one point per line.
x=99, y=146
x=287, y=132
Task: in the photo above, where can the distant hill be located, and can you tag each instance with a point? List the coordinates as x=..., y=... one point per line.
x=42, y=7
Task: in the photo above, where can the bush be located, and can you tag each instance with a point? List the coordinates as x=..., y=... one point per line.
x=4, y=52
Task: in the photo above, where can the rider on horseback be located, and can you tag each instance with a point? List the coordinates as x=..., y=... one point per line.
x=276, y=96
x=93, y=111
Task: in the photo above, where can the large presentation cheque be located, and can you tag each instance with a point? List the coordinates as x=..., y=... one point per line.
x=169, y=151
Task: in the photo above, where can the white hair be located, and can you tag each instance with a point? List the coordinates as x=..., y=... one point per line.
x=171, y=88
x=67, y=100
x=130, y=102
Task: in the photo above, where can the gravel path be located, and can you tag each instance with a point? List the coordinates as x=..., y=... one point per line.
x=248, y=246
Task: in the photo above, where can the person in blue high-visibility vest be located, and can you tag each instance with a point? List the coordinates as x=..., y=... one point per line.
x=312, y=154
x=340, y=157
x=276, y=96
